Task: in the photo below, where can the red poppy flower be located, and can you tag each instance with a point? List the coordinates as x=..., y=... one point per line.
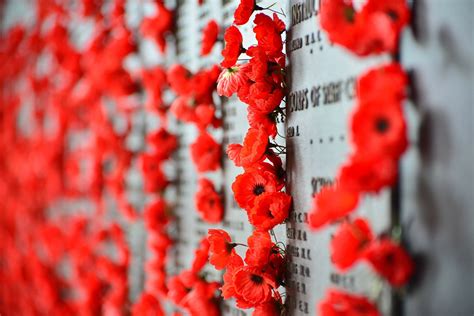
x=183, y=109
x=180, y=79
x=338, y=18
x=244, y=11
x=391, y=261
x=204, y=115
x=253, y=285
x=221, y=248
x=233, y=46
x=379, y=125
x=396, y=10
x=386, y=82
x=251, y=184
x=269, y=210
x=203, y=84
x=253, y=149
x=375, y=35
x=179, y=286
x=157, y=26
x=276, y=167
x=271, y=308
x=201, y=256
x=349, y=242
x=265, y=121
x=206, y=153
x=163, y=142
x=374, y=30
x=208, y=202
x=230, y=80
x=233, y=264
x=233, y=152
x=260, y=247
x=330, y=204
x=380, y=25
x=154, y=81
x=155, y=215
x=257, y=68
x=155, y=179
x=209, y=37
x=201, y=299
x=264, y=97
x=338, y=303
x=368, y=172
x=268, y=33
x=147, y=304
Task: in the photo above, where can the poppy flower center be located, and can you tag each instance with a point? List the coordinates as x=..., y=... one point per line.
x=229, y=246
x=361, y=308
x=392, y=14
x=256, y=279
x=349, y=14
x=390, y=258
x=382, y=125
x=258, y=189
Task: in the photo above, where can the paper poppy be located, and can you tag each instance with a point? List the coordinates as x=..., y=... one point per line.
x=268, y=33
x=208, y=202
x=206, y=153
x=230, y=80
x=386, y=82
x=379, y=125
x=233, y=264
x=221, y=248
x=368, y=172
x=349, y=243
x=338, y=18
x=244, y=11
x=338, y=303
x=391, y=261
x=253, y=149
x=233, y=47
x=147, y=304
x=251, y=184
x=253, y=285
x=269, y=210
x=330, y=204
x=259, y=248
x=209, y=37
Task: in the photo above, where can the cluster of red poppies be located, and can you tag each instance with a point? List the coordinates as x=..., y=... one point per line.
x=379, y=138
x=54, y=263
x=259, y=83
x=191, y=291
x=374, y=29
x=60, y=148
x=195, y=105
x=156, y=215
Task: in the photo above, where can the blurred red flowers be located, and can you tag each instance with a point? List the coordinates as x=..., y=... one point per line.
x=339, y=303
x=349, y=243
x=332, y=203
x=251, y=184
x=208, y=202
x=391, y=261
x=221, y=248
x=244, y=11
x=233, y=46
x=209, y=37
x=374, y=29
x=269, y=210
